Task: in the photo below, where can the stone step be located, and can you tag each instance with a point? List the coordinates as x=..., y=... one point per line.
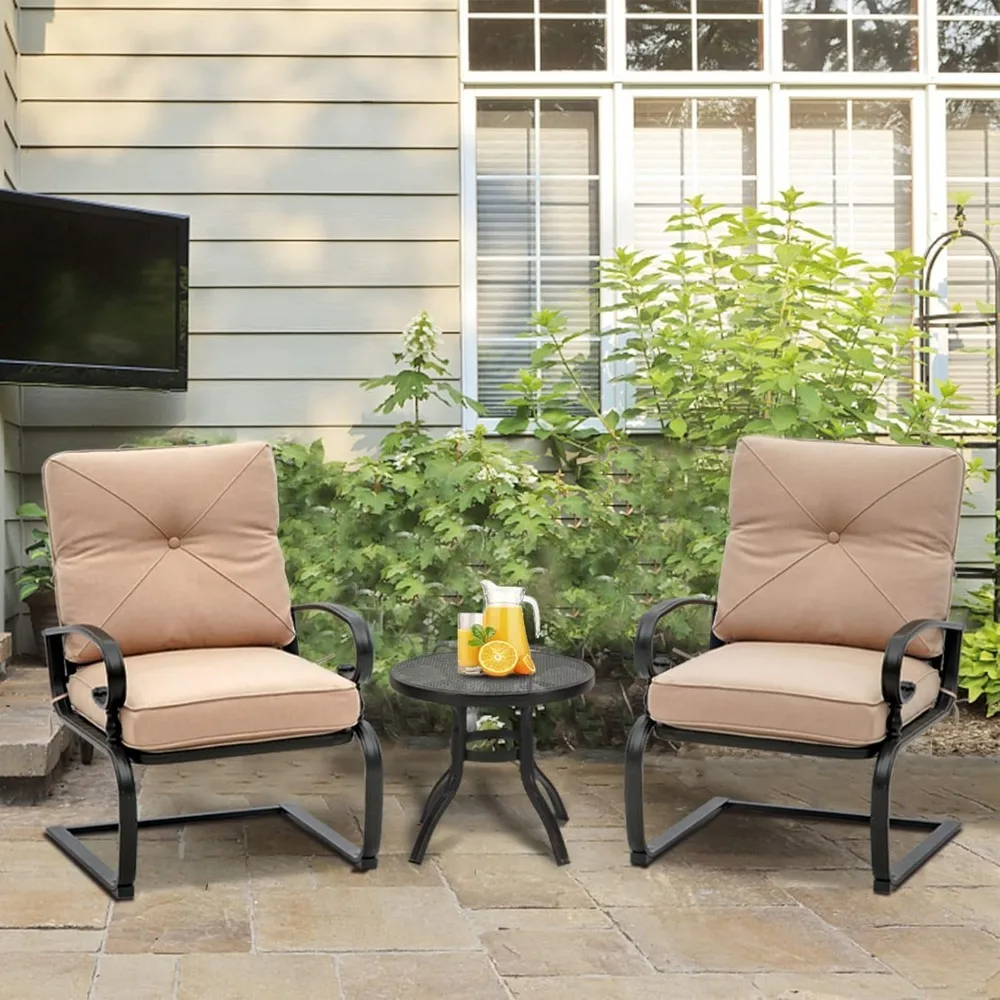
x=34, y=744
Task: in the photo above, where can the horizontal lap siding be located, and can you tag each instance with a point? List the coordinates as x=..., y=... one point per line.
x=10, y=416
x=315, y=148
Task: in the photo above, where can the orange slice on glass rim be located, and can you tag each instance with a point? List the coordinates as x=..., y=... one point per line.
x=497, y=659
x=526, y=665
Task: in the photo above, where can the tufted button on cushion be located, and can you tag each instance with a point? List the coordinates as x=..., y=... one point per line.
x=168, y=548
x=892, y=512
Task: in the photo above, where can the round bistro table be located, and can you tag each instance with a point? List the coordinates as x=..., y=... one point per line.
x=435, y=678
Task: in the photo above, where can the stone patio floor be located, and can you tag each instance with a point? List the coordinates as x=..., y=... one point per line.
x=750, y=907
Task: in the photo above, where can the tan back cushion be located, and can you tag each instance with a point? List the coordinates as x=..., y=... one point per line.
x=168, y=548
x=838, y=543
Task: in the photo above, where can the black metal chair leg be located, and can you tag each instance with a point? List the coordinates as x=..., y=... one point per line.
x=558, y=807
x=128, y=824
x=371, y=749
x=886, y=876
x=86, y=752
x=635, y=823
x=528, y=769
x=120, y=884
x=442, y=794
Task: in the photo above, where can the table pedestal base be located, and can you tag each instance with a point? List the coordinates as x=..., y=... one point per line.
x=551, y=812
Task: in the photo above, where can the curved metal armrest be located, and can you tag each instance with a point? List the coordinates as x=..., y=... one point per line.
x=364, y=647
x=646, y=631
x=894, y=691
x=111, y=654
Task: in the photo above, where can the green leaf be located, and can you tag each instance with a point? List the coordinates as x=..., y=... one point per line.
x=481, y=635
x=678, y=427
x=784, y=417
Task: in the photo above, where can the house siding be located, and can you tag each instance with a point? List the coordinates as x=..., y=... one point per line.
x=315, y=150
x=10, y=410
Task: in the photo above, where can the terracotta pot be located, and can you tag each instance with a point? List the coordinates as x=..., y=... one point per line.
x=42, y=606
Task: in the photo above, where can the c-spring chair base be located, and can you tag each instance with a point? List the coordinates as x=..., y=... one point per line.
x=886, y=876
x=120, y=884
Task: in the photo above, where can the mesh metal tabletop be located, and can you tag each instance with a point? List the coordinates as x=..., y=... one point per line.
x=436, y=678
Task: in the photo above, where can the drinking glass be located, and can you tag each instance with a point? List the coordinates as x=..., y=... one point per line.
x=468, y=656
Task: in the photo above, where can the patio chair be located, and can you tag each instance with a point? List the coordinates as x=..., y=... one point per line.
x=178, y=639
x=828, y=636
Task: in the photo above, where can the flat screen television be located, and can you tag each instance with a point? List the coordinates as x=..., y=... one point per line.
x=92, y=295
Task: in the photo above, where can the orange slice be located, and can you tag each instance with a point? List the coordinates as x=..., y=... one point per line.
x=526, y=665
x=498, y=659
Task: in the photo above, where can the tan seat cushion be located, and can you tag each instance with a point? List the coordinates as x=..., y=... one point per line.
x=168, y=548
x=789, y=691
x=211, y=697
x=838, y=543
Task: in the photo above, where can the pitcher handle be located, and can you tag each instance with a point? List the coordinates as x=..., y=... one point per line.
x=533, y=604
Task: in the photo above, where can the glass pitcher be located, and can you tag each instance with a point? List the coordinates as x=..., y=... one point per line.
x=502, y=612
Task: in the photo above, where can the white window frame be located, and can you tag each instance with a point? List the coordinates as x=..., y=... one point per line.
x=469, y=230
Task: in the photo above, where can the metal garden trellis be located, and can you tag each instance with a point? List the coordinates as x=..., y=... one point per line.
x=927, y=322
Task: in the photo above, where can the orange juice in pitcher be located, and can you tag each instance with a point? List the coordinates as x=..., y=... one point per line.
x=502, y=612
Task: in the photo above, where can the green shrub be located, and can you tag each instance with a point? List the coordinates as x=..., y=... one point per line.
x=979, y=672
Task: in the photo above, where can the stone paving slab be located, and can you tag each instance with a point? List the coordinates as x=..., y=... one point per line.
x=751, y=907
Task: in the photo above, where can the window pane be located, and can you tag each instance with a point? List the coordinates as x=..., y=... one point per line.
x=815, y=6
x=890, y=122
x=571, y=44
x=729, y=6
x=976, y=8
x=658, y=6
x=501, y=6
x=501, y=44
x=818, y=45
x=969, y=46
x=569, y=287
x=886, y=7
x=505, y=137
x=658, y=45
x=729, y=45
x=885, y=46
x=568, y=138
x=572, y=6
x=506, y=217
x=973, y=138
x=569, y=218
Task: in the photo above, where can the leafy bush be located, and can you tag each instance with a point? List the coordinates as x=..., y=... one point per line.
x=36, y=577
x=979, y=672
x=751, y=323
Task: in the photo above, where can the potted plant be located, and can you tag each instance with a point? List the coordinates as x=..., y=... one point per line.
x=34, y=581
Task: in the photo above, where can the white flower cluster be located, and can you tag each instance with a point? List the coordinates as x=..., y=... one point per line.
x=401, y=460
x=501, y=468
x=420, y=335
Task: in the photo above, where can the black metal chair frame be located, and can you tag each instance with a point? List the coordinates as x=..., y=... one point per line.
x=887, y=876
x=120, y=884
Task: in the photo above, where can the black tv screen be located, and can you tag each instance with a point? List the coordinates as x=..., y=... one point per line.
x=91, y=295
